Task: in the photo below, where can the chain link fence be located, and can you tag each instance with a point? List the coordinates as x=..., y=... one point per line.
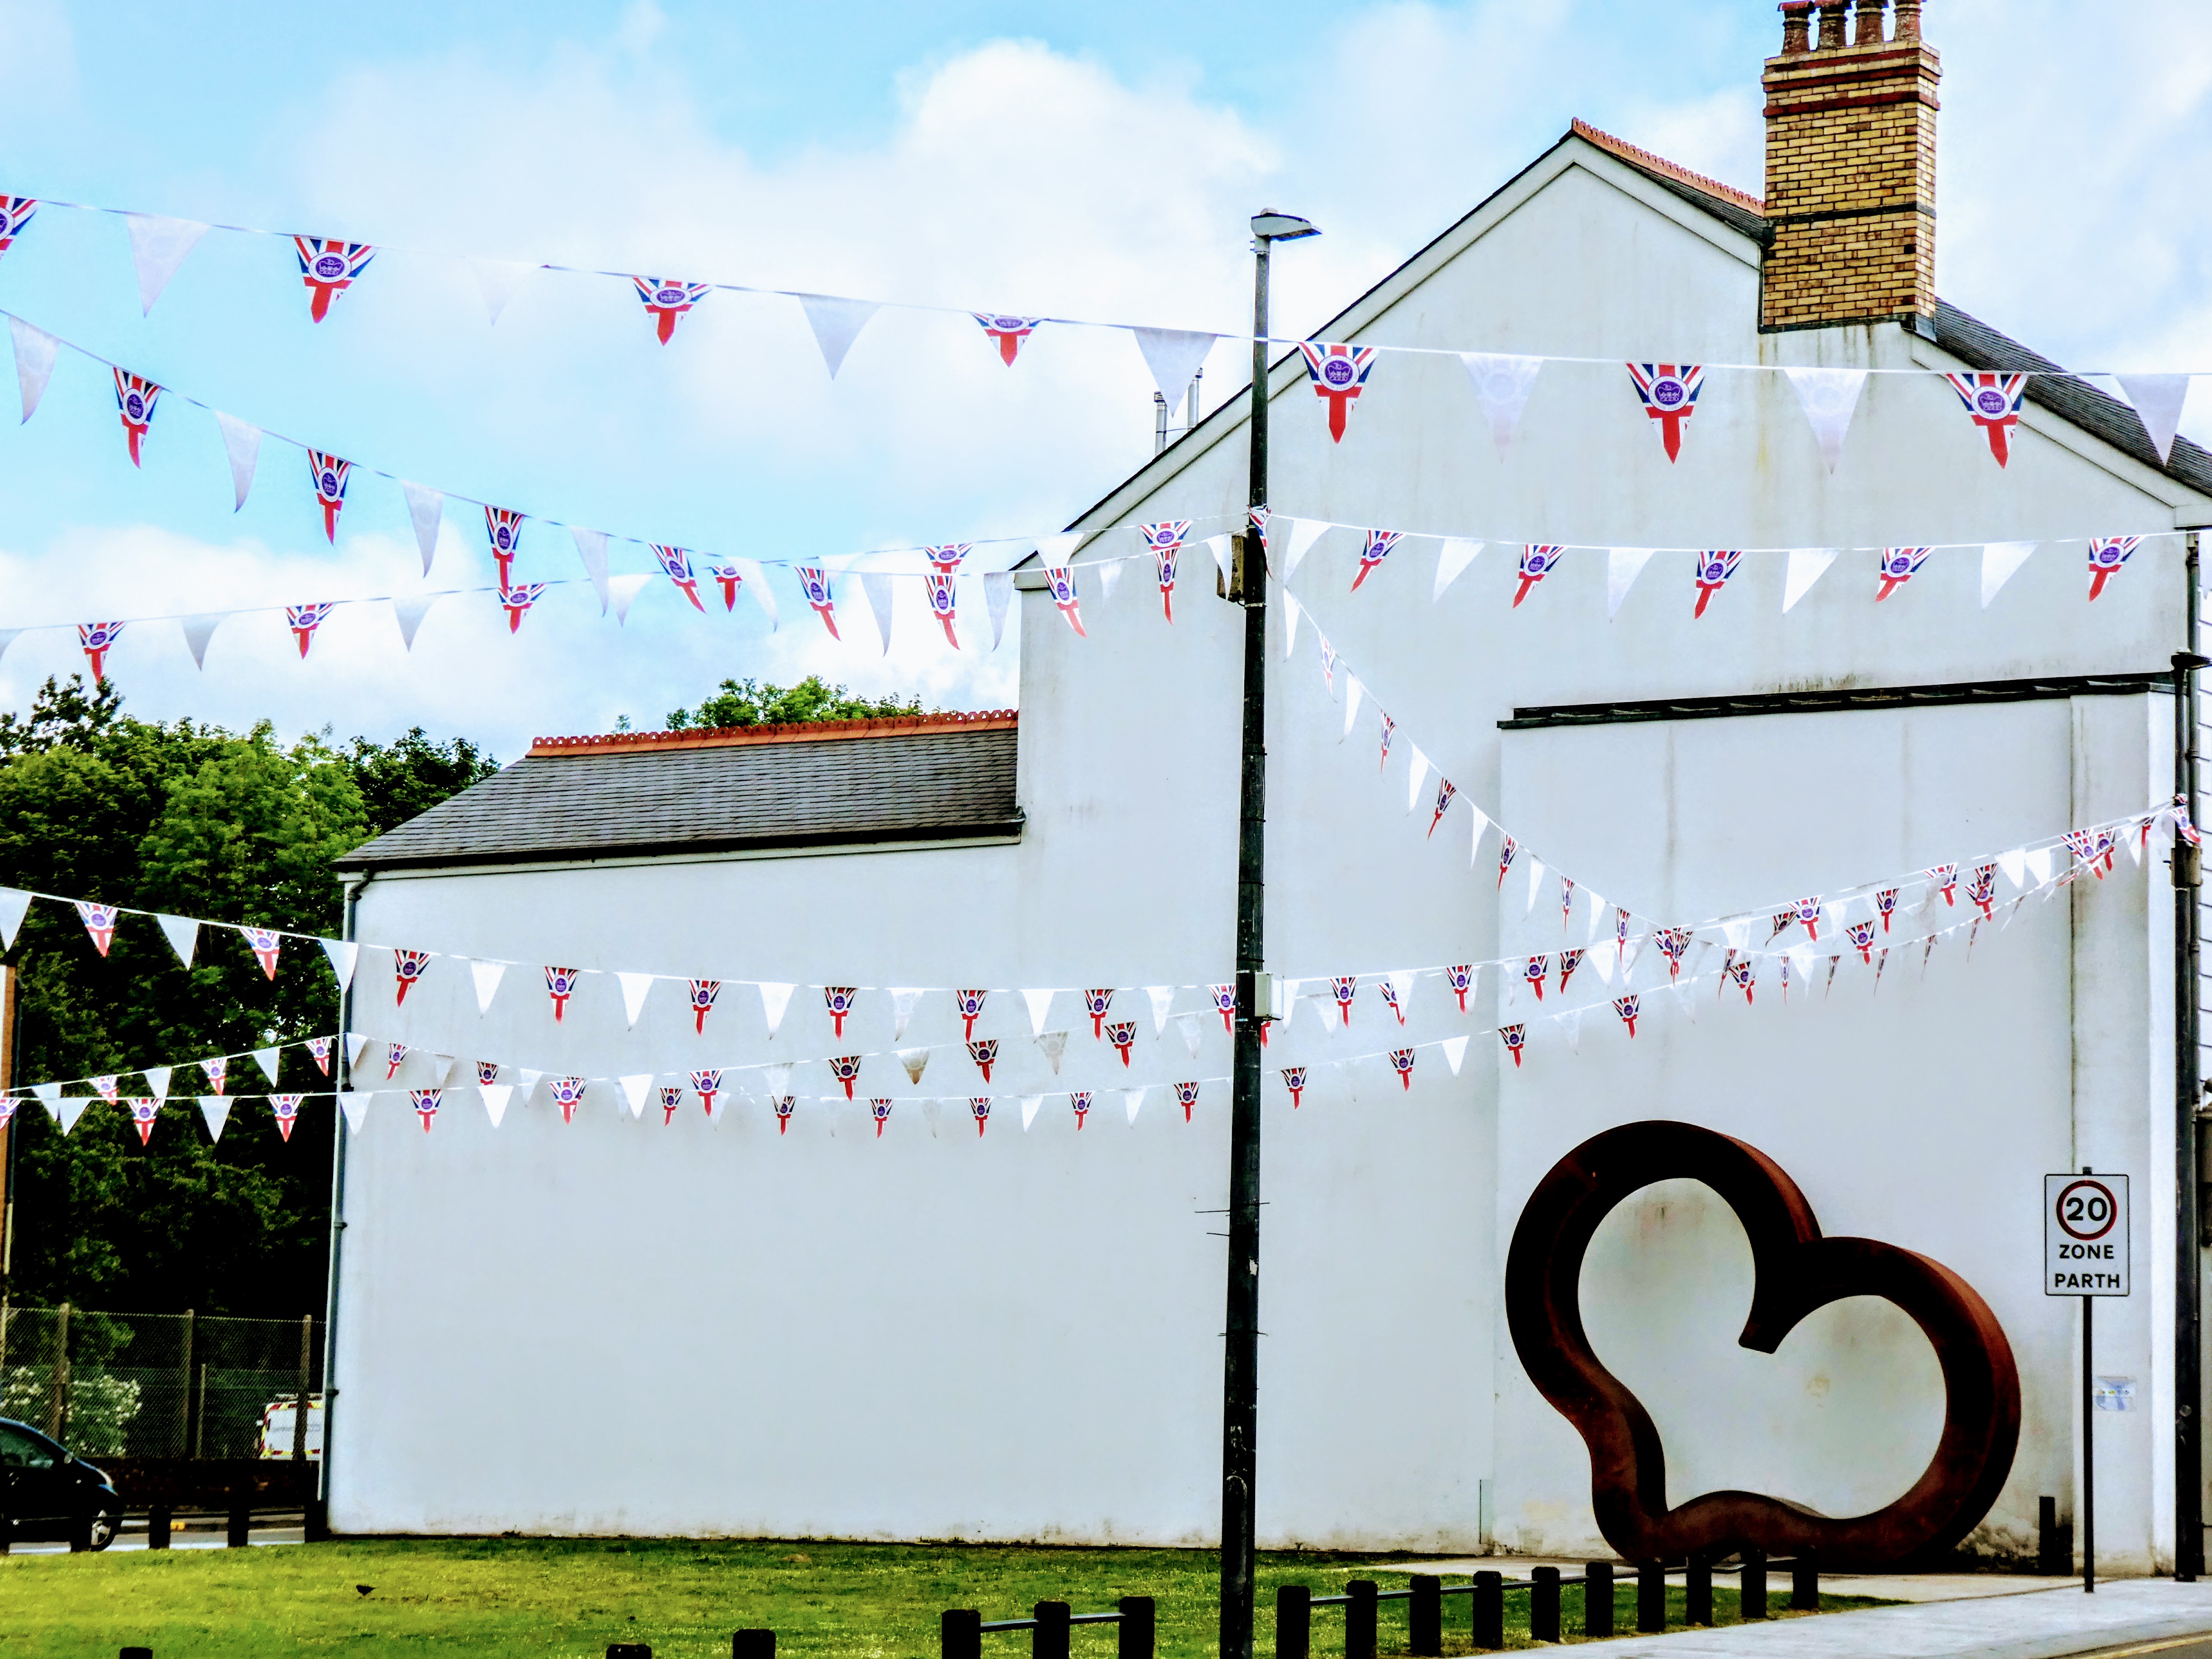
x=163, y=1385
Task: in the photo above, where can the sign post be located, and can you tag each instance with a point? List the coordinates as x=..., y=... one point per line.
x=2085, y=1254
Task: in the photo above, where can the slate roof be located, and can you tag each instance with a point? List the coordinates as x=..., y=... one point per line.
x=854, y=782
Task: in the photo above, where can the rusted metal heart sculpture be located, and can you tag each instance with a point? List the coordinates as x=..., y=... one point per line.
x=1797, y=1270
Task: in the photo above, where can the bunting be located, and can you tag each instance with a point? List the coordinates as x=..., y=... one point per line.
x=664, y=300
x=1538, y=561
x=2106, y=554
x=15, y=212
x=1668, y=392
x=503, y=528
x=1714, y=567
x=1338, y=374
x=1008, y=332
x=328, y=267
x=1164, y=541
x=135, y=397
x=1899, y=565
x=330, y=476
x=1992, y=402
x=676, y=564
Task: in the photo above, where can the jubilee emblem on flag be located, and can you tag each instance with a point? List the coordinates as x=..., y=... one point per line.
x=286, y=1110
x=1745, y=972
x=1507, y=847
x=980, y=1106
x=1461, y=980
x=15, y=212
x=676, y=564
x=664, y=300
x=970, y=1004
x=1532, y=971
x=706, y=1084
x=1672, y=943
x=703, y=993
x=265, y=942
x=1992, y=403
x=1164, y=541
x=785, y=1106
x=1008, y=331
x=566, y=1091
x=516, y=601
x=2106, y=554
x=304, y=619
x=670, y=1098
x=1224, y=999
x=1402, y=1061
x=1375, y=549
x=1344, y=989
x=837, y=999
x=503, y=528
x=880, y=1110
x=143, y=1114
x=1899, y=565
x=1445, y=790
x=96, y=640
x=1983, y=890
x=1338, y=374
x=1861, y=934
x=944, y=603
x=1516, y=1038
x=1885, y=904
x=1078, y=1100
x=1188, y=1094
x=1538, y=561
x=218, y=1069
x=1714, y=567
x=1808, y=912
x=1668, y=392
x=105, y=1089
x=395, y=1056
x=1294, y=1080
x=135, y=397
x=846, y=1068
x=1626, y=1007
x=815, y=583
x=1569, y=961
x=319, y=1050
x=328, y=266
x=1945, y=878
x=486, y=1073
x=1122, y=1033
x=330, y=476
x=983, y=1051
x=99, y=922
x=1062, y=578
x=561, y=984
x=1097, y=1004
x=426, y=1105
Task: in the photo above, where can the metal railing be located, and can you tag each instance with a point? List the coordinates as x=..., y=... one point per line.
x=960, y=1631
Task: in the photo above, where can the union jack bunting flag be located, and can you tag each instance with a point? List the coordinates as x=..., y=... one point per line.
x=1668, y=392
x=1339, y=373
x=703, y=993
x=1992, y=403
x=837, y=999
x=947, y=557
x=1809, y=911
x=395, y=1056
x=1672, y=943
x=1621, y=935
x=265, y=942
x=1885, y=904
x=1899, y=565
x=1344, y=990
x=104, y=1088
x=426, y=1105
x=328, y=265
x=1445, y=790
x=1945, y=877
x=1259, y=515
x=1224, y=999
x=1538, y=561
x=846, y=1068
x=330, y=476
x=218, y=1069
x=1327, y=661
x=1566, y=900
x=1460, y=978
x=1861, y=934
x=1785, y=978
x=1096, y=1004
x=676, y=563
x=1294, y=1080
x=15, y=212
x=407, y=967
x=319, y=1050
x=8, y=1105
x=135, y=397
x=664, y=300
x=1532, y=971
x=304, y=619
x=1506, y=848
x=2094, y=848
x=1714, y=566
x=1375, y=549
x=503, y=528
x=706, y=1084
x=99, y=922
x=1008, y=331
x=983, y=1051
x=785, y=1106
x=1078, y=1100
x=1164, y=541
x=566, y=1091
x=1122, y=1033
x=1187, y=1093
x=143, y=1114
x=1389, y=731
x=1569, y=961
x=1745, y=972
x=561, y=984
x=2106, y=554
x=517, y=600
x=880, y=1110
x=487, y=1072
x=1784, y=921
x=944, y=603
x=2183, y=825
x=1516, y=1038
x=815, y=583
x=1390, y=998
x=970, y=1004
x=1062, y=578
x=1983, y=890
x=670, y=1098
x=287, y=1109
x=1626, y=1007
x=1402, y=1059
x=980, y=1106
x=730, y=579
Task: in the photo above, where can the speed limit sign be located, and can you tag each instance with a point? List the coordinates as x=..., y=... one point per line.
x=2085, y=1234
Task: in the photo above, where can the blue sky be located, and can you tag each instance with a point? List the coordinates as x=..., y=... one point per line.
x=1086, y=161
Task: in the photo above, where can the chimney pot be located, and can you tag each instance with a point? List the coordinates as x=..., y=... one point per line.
x=1869, y=22
x=1832, y=25
x=1797, y=35
x=1908, y=19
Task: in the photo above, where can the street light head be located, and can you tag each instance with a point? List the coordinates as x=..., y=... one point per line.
x=1273, y=226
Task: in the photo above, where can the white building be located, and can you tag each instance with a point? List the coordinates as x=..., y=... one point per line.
x=616, y=1325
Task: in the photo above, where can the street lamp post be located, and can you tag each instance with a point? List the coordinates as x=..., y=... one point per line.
x=1241, y=1361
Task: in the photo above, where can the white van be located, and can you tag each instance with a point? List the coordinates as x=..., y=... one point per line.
x=279, y=1420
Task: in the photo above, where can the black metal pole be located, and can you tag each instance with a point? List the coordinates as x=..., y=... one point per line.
x=1241, y=1361
x=2188, y=1380
x=318, y=1519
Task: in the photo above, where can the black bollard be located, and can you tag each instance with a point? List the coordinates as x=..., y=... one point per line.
x=1543, y=1604
x=1424, y=1616
x=137, y=1653
x=1651, y=1596
x=160, y=1522
x=1804, y=1583
x=752, y=1645
x=1138, y=1621
x=629, y=1650
x=1293, y=1622
x=1489, y=1599
x=1048, y=1637
x=960, y=1634
x=1597, y=1599
x=1360, y=1619
x=238, y=1531
x=1697, y=1590
x=1751, y=1594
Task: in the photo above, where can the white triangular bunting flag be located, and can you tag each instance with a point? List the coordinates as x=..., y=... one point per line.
x=1163, y=999
x=1353, y=690
x=409, y=611
x=903, y=999
x=1417, y=768
x=498, y=280
x=1596, y=913
x=2038, y=865
x=2000, y=560
x=526, y=1079
x=1806, y=565
x=1110, y=576
x=215, y=1108
x=1502, y=382
x=1175, y=357
x=354, y=1102
x=998, y=592
x=1455, y=1051
x=914, y=1061
x=591, y=553
x=836, y=323
x=1131, y=1100
x=1052, y=1045
x=1291, y=614
x=1458, y=553
x=755, y=583
x=495, y=1097
x=634, y=989
x=14, y=903
x=1829, y=396
x=2158, y=399
x=70, y=1110
x=633, y=1087
x=1039, y=1003
x=183, y=934
x=1536, y=882
x=1623, y=565
x=1304, y=533
x=158, y=247
x=1481, y=824
x=242, y=443
x=878, y=587
x=1188, y=1026
x=157, y=1080
x=342, y=954
x=50, y=1095
x=775, y=999
x=2014, y=865
x=1030, y=1104
x=1218, y=546
x=354, y=1042
x=1401, y=987
x=776, y=1080
x=623, y=591
x=425, y=506
x=198, y=630
x=35, y=361
x=266, y=1059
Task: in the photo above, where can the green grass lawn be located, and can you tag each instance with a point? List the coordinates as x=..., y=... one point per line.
x=493, y=1598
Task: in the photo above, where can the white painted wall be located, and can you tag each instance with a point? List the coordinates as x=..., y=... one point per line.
x=933, y=1336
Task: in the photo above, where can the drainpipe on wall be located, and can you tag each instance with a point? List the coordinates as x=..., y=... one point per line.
x=2188, y=1097
x=318, y=1512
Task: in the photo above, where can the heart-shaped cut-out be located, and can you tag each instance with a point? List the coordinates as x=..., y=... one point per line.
x=1797, y=1270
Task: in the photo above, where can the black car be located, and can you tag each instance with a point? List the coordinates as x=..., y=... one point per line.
x=47, y=1493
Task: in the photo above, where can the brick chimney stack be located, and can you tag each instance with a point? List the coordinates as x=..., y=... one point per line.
x=1850, y=168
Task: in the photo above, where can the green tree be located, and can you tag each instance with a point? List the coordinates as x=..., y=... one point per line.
x=752, y=702
x=406, y=778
